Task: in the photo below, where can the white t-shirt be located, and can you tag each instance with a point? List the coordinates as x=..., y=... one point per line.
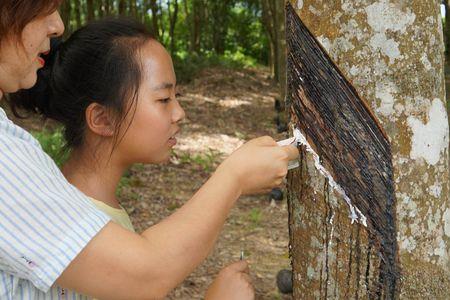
x=44, y=221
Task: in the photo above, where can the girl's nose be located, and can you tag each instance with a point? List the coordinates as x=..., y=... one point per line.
x=179, y=113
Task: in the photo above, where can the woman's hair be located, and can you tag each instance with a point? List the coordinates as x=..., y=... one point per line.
x=16, y=14
x=99, y=63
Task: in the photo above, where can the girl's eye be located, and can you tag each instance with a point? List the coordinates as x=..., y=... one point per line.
x=165, y=100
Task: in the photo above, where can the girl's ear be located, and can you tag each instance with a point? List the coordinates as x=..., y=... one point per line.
x=99, y=120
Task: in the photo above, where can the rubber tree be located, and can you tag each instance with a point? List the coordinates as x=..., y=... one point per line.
x=393, y=54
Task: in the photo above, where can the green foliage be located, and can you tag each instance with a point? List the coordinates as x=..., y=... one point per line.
x=187, y=66
x=207, y=33
x=123, y=184
x=206, y=160
x=53, y=143
x=173, y=206
x=255, y=216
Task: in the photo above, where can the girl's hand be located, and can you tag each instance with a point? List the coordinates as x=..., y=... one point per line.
x=259, y=165
x=232, y=283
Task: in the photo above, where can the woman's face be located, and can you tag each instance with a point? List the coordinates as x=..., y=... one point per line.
x=20, y=59
x=151, y=134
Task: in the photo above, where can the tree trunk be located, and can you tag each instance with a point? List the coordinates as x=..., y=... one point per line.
x=133, y=8
x=78, y=9
x=107, y=6
x=267, y=21
x=281, y=46
x=447, y=29
x=155, y=21
x=100, y=5
x=90, y=10
x=195, y=24
x=65, y=16
x=220, y=18
x=122, y=7
x=162, y=28
x=392, y=53
x=173, y=21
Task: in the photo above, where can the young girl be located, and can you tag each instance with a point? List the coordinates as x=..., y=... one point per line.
x=113, y=88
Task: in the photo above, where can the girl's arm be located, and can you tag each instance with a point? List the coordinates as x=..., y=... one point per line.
x=118, y=264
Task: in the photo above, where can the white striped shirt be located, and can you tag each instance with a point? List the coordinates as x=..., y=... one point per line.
x=44, y=220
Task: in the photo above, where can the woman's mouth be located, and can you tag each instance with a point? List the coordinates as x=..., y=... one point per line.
x=41, y=58
x=41, y=61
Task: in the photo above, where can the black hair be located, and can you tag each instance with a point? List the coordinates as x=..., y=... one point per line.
x=98, y=63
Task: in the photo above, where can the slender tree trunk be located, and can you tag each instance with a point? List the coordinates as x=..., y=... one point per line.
x=276, y=36
x=196, y=21
x=90, y=10
x=267, y=22
x=273, y=21
x=375, y=43
x=173, y=21
x=155, y=21
x=220, y=11
x=447, y=29
x=133, y=8
x=107, y=6
x=78, y=9
x=281, y=48
x=100, y=5
x=122, y=7
x=66, y=17
x=162, y=28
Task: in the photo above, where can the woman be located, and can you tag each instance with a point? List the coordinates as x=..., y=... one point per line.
x=52, y=235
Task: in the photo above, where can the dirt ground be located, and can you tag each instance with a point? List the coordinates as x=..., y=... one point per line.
x=224, y=108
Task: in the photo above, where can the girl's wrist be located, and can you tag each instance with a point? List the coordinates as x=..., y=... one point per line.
x=228, y=177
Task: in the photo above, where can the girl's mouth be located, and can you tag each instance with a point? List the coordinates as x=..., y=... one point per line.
x=172, y=141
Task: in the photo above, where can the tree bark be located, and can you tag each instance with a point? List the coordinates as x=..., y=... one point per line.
x=155, y=16
x=78, y=9
x=173, y=16
x=220, y=19
x=107, y=6
x=447, y=29
x=122, y=7
x=133, y=8
x=66, y=10
x=90, y=10
x=162, y=28
x=196, y=17
x=393, y=55
x=281, y=52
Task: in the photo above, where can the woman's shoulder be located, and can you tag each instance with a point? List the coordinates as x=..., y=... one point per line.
x=10, y=132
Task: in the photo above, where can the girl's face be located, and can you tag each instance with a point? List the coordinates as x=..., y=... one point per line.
x=151, y=134
x=20, y=59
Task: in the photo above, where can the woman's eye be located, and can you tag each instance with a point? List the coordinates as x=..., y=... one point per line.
x=165, y=100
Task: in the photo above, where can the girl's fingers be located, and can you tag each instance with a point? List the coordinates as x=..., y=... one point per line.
x=239, y=266
x=247, y=277
x=264, y=141
x=292, y=151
